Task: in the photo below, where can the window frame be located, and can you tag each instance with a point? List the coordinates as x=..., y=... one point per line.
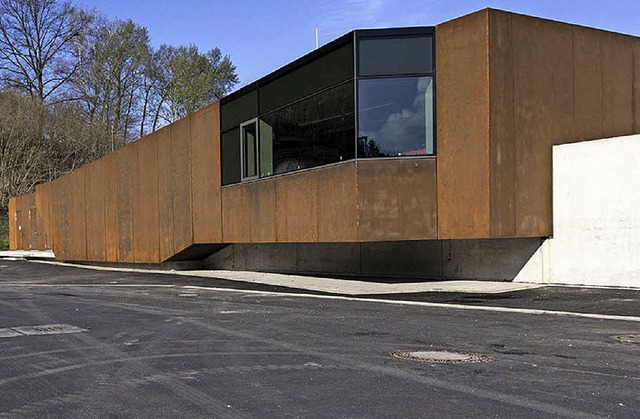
x=394, y=33
x=254, y=122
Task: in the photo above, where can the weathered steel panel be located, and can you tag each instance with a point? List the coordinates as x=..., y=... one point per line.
x=41, y=229
x=236, y=214
x=263, y=211
x=23, y=222
x=181, y=184
x=146, y=240
x=95, y=204
x=32, y=238
x=206, y=175
x=13, y=225
x=60, y=214
x=110, y=188
x=397, y=199
x=165, y=193
x=543, y=86
x=617, y=84
x=17, y=220
x=502, y=126
x=636, y=87
x=587, y=84
x=337, y=203
x=567, y=84
x=297, y=207
x=124, y=204
x=462, y=106
x=77, y=216
x=50, y=223
x=44, y=216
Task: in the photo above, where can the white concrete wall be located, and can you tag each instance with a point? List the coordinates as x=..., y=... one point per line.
x=596, y=216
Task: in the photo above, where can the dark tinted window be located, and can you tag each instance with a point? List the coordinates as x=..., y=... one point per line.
x=238, y=110
x=395, y=55
x=230, y=150
x=312, y=132
x=330, y=69
x=395, y=117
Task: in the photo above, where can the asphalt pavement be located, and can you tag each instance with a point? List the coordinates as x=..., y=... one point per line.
x=124, y=344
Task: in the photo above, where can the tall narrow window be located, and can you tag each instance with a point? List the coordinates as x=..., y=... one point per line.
x=249, y=149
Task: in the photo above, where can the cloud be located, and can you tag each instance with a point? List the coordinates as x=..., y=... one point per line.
x=404, y=129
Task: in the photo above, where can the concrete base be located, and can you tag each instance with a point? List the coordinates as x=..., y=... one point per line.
x=491, y=260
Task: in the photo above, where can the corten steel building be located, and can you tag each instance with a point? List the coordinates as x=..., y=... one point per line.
x=419, y=152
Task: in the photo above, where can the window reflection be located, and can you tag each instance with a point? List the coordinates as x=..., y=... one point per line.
x=395, y=55
x=312, y=132
x=395, y=117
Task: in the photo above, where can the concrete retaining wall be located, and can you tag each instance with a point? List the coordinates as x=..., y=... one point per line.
x=487, y=259
x=596, y=216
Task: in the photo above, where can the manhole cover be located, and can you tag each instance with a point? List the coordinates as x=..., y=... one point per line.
x=628, y=338
x=442, y=356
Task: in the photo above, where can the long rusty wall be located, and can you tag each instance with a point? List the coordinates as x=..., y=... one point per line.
x=550, y=83
x=144, y=203
x=508, y=88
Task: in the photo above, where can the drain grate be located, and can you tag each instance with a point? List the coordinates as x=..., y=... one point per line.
x=45, y=329
x=442, y=356
x=628, y=338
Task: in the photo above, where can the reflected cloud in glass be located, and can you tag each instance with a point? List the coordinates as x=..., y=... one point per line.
x=395, y=117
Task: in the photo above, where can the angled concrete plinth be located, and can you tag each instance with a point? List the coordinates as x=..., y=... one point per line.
x=27, y=254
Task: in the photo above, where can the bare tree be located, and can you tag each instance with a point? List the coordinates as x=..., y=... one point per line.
x=75, y=85
x=111, y=79
x=39, y=45
x=23, y=160
x=190, y=80
x=156, y=84
x=38, y=143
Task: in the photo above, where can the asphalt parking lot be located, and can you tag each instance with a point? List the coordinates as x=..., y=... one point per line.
x=166, y=346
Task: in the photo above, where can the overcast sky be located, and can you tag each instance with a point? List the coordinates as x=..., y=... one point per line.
x=262, y=35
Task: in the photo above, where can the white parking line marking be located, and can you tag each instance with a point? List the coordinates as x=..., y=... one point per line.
x=427, y=304
x=499, y=309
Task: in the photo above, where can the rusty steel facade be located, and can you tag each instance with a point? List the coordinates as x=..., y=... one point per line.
x=508, y=87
